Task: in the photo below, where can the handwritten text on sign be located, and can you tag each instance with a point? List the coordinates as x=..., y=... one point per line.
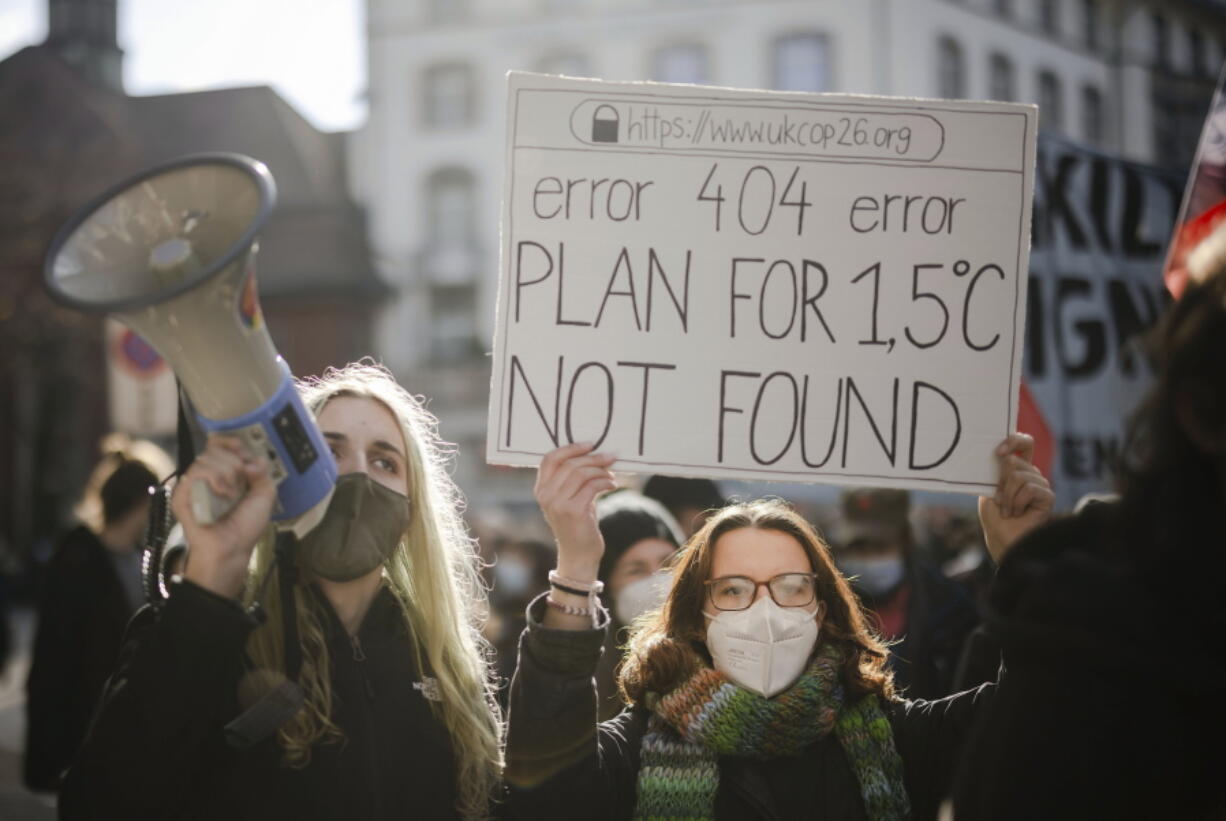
x=764, y=286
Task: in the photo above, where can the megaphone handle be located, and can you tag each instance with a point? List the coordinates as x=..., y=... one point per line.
x=208, y=507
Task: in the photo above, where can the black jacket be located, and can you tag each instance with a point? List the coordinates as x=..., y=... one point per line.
x=1115, y=701
x=81, y=618
x=940, y=618
x=562, y=764
x=156, y=748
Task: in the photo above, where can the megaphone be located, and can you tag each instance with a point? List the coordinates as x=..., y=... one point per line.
x=171, y=253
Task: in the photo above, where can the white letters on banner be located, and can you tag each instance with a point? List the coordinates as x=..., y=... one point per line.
x=1100, y=229
x=798, y=287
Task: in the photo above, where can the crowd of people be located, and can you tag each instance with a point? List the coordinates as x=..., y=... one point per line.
x=665, y=653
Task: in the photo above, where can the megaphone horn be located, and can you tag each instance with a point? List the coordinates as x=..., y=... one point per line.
x=171, y=253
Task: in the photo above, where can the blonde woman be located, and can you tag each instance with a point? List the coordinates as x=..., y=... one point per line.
x=398, y=719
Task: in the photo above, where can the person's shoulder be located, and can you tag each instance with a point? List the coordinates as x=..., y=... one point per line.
x=1087, y=529
x=622, y=735
x=630, y=721
x=78, y=549
x=1068, y=587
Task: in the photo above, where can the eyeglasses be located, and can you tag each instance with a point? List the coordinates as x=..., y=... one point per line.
x=739, y=592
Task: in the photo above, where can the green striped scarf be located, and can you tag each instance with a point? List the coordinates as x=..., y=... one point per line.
x=708, y=716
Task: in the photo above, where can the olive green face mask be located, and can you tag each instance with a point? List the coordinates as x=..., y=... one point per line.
x=364, y=523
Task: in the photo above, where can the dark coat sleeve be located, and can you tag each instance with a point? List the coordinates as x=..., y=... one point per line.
x=56, y=714
x=1113, y=699
x=560, y=762
x=930, y=736
x=156, y=740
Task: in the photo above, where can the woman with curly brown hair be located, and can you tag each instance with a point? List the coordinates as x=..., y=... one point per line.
x=758, y=689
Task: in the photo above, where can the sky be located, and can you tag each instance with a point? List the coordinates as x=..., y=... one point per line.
x=317, y=61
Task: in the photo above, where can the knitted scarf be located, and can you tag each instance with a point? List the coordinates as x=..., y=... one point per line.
x=708, y=716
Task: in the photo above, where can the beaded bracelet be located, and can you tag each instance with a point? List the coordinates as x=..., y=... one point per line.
x=568, y=609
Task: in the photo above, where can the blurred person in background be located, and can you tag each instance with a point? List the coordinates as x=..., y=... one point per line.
x=690, y=501
x=923, y=616
x=91, y=587
x=1112, y=620
x=379, y=625
x=519, y=574
x=640, y=538
x=951, y=538
x=759, y=690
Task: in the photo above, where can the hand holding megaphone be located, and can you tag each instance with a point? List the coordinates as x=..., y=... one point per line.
x=208, y=507
x=171, y=253
x=221, y=549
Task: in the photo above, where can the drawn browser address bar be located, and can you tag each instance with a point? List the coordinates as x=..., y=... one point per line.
x=844, y=131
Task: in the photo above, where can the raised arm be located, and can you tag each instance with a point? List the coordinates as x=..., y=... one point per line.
x=567, y=484
x=560, y=762
x=1023, y=498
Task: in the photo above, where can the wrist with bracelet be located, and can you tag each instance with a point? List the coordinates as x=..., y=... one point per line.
x=590, y=590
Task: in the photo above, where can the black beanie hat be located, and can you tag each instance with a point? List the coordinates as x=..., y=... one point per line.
x=625, y=519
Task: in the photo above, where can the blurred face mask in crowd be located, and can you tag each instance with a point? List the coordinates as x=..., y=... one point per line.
x=763, y=648
x=512, y=576
x=364, y=524
x=641, y=596
x=875, y=575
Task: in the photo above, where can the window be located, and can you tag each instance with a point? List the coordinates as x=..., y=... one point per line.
x=450, y=255
x=572, y=65
x=1051, y=102
x=1162, y=49
x=1049, y=17
x=449, y=96
x=450, y=262
x=1092, y=23
x=1001, y=83
x=453, y=322
x=951, y=72
x=1196, y=53
x=801, y=63
x=1092, y=122
x=450, y=195
x=683, y=63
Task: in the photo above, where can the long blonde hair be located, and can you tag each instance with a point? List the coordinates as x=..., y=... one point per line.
x=434, y=576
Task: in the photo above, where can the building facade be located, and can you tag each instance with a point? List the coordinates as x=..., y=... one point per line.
x=1132, y=79
x=67, y=132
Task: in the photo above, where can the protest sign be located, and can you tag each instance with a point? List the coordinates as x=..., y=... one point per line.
x=1101, y=225
x=795, y=287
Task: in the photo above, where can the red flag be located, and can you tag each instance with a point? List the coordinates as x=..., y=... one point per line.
x=1030, y=420
x=1204, y=198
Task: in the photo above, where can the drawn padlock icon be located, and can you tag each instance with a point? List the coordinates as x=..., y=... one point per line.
x=605, y=122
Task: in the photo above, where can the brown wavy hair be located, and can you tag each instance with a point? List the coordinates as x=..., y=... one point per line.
x=668, y=645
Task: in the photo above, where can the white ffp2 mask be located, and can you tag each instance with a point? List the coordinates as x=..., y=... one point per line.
x=763, y=648
x=642, y=595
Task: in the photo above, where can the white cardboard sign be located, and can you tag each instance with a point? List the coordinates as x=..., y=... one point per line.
x=796, y=287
